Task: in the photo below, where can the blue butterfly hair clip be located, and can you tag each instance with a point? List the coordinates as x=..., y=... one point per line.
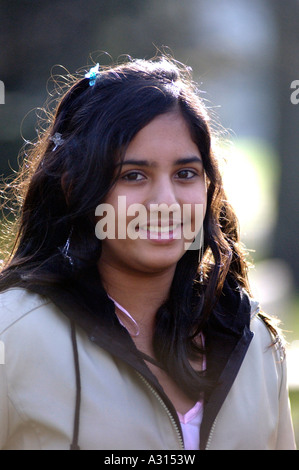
x=92, y=74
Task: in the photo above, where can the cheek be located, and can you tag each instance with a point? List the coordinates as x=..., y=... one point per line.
x=202, y=195
x=118, y=217
x=196, y=197
x=194, y=210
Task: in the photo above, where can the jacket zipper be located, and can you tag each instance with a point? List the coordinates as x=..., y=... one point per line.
x=210, y=435
x=164, y=406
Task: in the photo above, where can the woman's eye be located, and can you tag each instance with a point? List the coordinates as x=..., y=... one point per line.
x=133, y=176
x=186, y=174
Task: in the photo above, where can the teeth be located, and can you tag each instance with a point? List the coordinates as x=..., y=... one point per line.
x=158, y=229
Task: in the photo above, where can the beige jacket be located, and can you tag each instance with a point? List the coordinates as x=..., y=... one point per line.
x=119, y=408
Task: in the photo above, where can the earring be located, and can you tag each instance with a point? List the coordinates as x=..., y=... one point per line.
x=200, y=262
x=65, y=250
x=200, y=257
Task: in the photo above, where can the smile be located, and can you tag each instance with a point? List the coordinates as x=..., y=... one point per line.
x=160, y=233
x=161, y=224
x=160, y=229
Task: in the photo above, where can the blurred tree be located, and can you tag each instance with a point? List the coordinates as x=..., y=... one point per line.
x=286, y=244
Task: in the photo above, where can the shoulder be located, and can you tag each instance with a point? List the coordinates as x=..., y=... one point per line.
x=16, y=303
x=267, y=337
x=264, y=324
x=257, y=325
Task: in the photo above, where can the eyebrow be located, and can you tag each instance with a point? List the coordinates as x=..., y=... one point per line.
x=179, y=161
x=186, y=160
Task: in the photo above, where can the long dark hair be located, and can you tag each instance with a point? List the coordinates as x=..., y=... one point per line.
x=59, y=187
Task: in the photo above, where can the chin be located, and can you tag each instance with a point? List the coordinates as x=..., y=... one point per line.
x=159, y=263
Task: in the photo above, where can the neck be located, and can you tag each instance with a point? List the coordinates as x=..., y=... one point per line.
x=141, y=294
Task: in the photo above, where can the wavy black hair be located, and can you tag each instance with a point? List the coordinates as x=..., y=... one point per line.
x=58, y=189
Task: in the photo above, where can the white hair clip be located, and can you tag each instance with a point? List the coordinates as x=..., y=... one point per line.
x=57, y=139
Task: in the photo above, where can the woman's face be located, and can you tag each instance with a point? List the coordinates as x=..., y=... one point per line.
x=163, y=176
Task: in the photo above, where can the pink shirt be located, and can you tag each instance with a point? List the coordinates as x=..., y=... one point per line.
x=190, y=423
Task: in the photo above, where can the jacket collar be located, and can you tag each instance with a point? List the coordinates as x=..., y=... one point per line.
x=228, y=337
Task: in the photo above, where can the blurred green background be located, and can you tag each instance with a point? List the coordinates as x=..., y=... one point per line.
x=244, y=55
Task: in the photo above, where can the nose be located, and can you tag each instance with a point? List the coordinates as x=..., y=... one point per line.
x=163, y=199
x=163, y=192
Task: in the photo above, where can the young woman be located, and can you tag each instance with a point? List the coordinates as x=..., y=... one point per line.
x=121, y=332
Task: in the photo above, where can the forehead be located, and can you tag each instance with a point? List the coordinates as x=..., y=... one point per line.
x=167, y=135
